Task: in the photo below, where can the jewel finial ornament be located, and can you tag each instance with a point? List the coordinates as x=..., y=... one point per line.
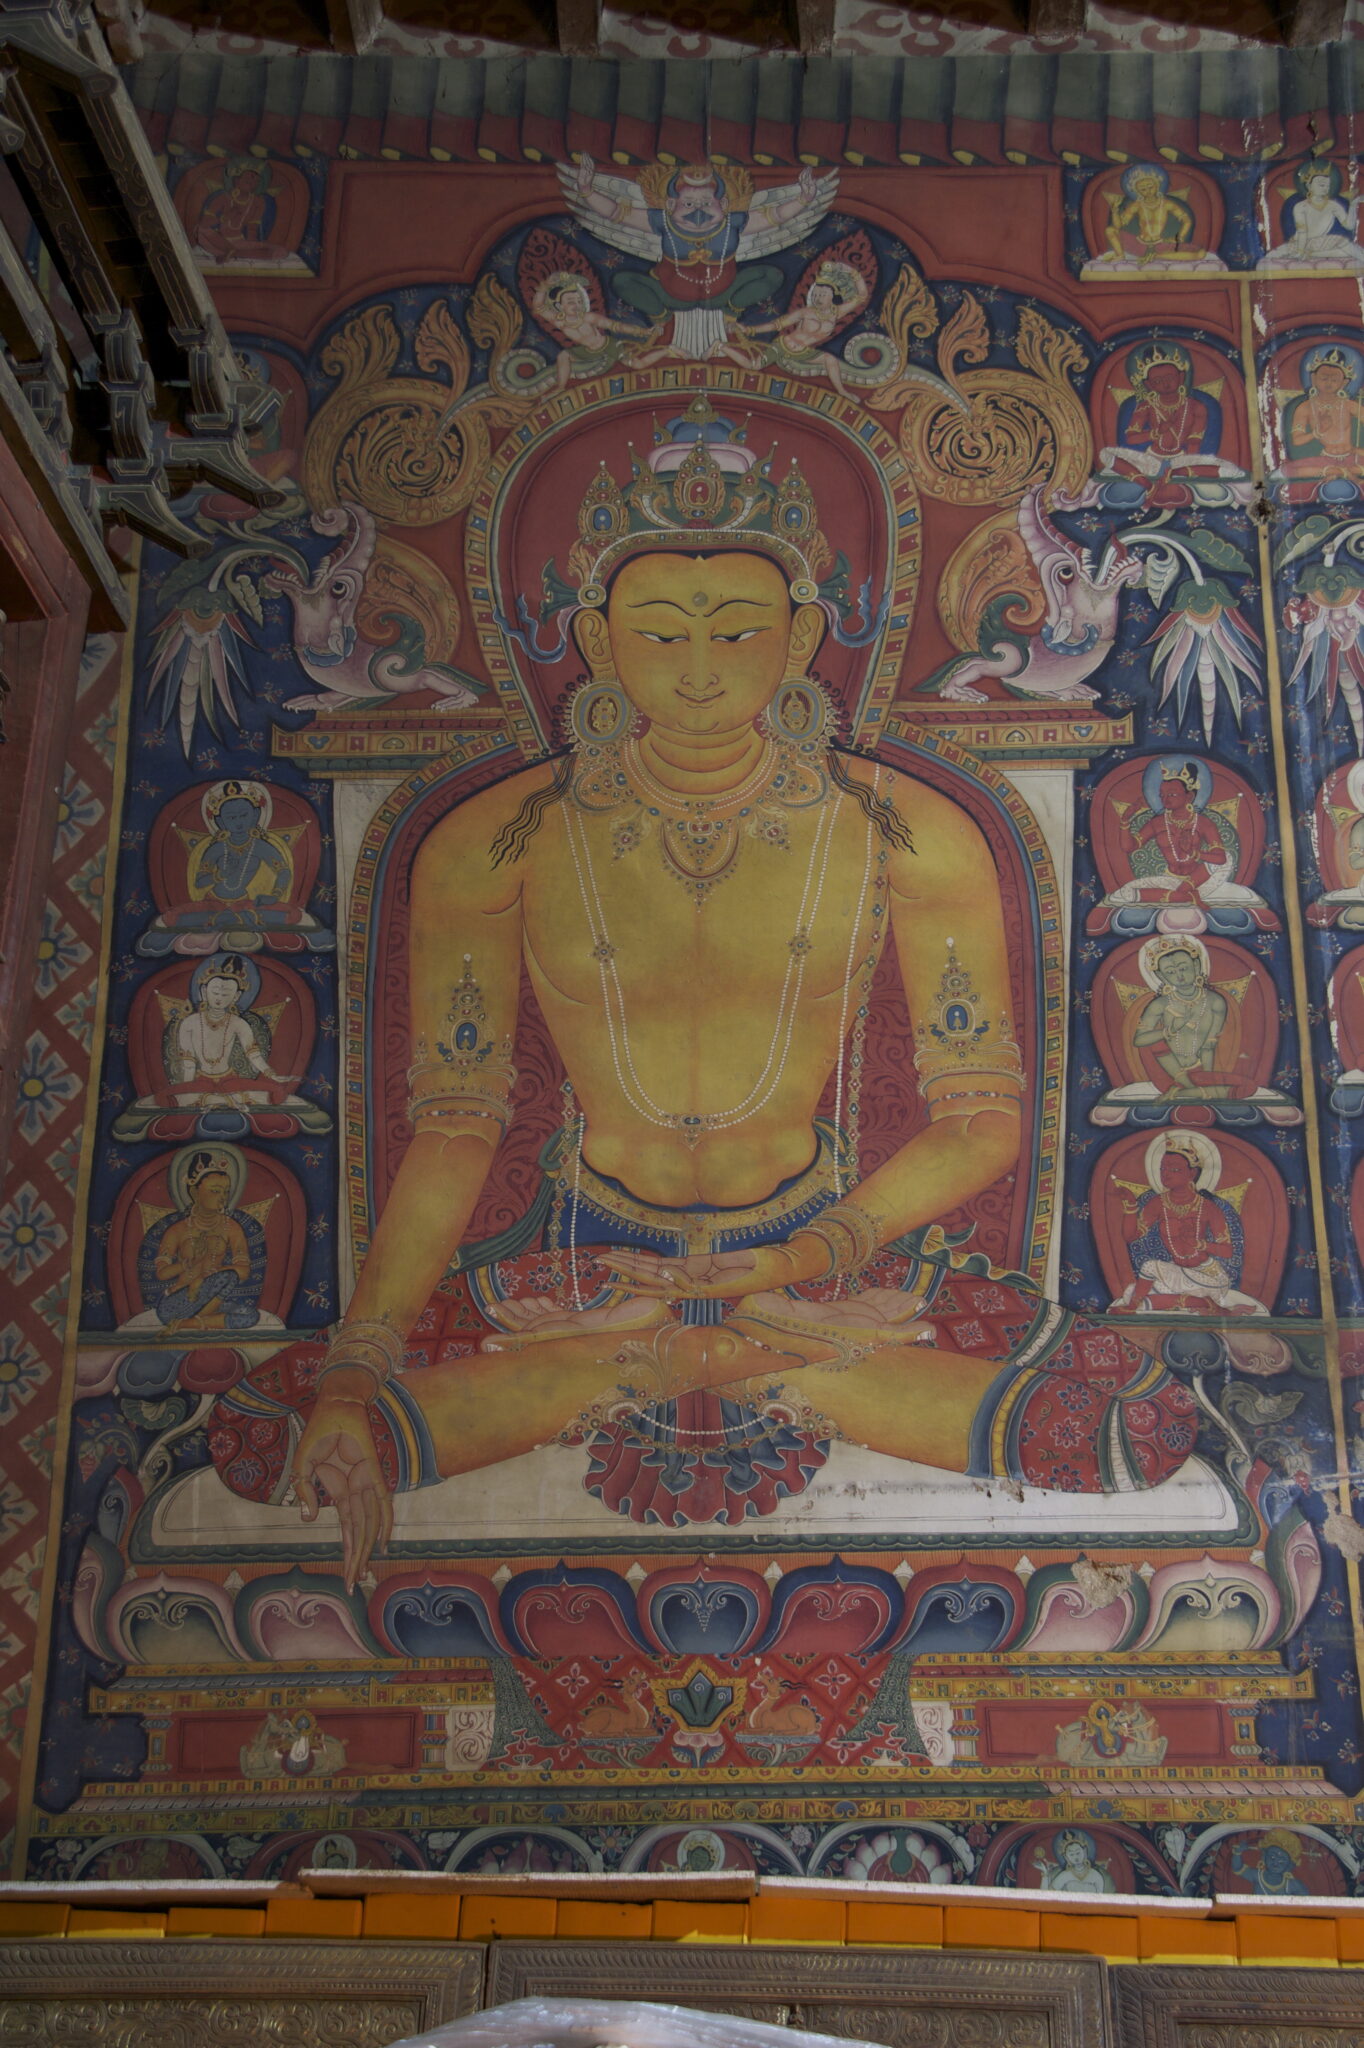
x=699, y=487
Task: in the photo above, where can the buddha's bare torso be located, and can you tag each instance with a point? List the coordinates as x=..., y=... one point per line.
x=707, y=1013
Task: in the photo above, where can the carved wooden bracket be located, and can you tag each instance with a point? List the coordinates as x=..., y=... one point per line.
x=118, y=380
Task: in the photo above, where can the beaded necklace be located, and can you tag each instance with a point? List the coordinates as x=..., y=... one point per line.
x=694, y=1127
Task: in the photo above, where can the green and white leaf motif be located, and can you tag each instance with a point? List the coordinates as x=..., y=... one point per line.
x=1216, y=552
x=1162, y=567
x=1250, y=1405
x=1303, y=539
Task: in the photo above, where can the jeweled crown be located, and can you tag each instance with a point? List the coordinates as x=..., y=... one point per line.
x=701, y=487
x=1153, y=354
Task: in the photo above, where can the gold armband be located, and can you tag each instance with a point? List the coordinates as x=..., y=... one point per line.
x=963, y=1094
x=961, y=1052
x=453, y=1102
x=849, y=1235
x=995, y=1055
x=375, y=1347
x=465, y=1089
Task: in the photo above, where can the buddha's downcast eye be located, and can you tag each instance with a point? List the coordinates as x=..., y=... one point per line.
x=747, y=634
x=664, y=639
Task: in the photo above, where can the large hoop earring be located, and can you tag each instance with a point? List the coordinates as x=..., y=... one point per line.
x=600, y=714
x=799, y=714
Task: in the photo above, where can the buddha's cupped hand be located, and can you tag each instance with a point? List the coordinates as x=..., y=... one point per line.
x=714, y=1276
x=336, y=1453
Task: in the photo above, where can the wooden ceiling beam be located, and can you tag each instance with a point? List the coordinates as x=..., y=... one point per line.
x=1050, y=20
x=353, y=24
x=1308, y=22
x=814, y=27
x=577, y=27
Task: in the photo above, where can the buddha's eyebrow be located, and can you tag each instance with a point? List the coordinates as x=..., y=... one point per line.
x=643, y=603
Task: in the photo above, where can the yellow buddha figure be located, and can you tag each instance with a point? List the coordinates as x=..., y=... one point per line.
x=700, y=890
x=1150, y=225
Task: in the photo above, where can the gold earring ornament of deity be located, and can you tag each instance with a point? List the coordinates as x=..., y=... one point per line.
x=600, y=714
x=800, y=715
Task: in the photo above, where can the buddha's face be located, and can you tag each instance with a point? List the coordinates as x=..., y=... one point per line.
x=211, y=1193
x=1175, y=793
x=1147, y=186
x=1329, y=380
x=1178, y=1174
x=237, y=816
x=1180, y=972
x=700, y=643
x=1165, y=379
x=1076, y=1855
x=1319, y=188
x=220, y=992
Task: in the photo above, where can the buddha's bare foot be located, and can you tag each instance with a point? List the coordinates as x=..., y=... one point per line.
x=540, y=1316
x=833, y=1332
x=681, y=1358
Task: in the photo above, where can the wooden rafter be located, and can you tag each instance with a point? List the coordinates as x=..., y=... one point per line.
x=577, y=27
x=353, y=24
x=1050, y=20
x=1308, y=22
x=814, y=27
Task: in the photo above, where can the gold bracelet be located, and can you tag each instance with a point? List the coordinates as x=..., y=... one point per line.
x=851, y=1236
x=375, y=1347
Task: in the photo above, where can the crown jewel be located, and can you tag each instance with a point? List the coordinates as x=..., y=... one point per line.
x=700, y=487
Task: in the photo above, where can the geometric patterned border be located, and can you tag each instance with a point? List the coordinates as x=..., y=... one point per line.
x=366, y=1994
x=905, y=1998
x=1269, y=2008
x=39, y=1193
x=233, y=1994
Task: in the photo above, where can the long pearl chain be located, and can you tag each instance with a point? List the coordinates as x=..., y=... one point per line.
x=613, y=995
x=847, y=987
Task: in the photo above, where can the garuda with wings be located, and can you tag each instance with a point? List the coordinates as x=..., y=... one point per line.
x=701, y=227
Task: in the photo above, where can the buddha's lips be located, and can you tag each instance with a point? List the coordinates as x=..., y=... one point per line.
x=713, y=698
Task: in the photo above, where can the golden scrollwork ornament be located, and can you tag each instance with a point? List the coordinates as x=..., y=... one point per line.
x=408, y=448
x=1011, y=430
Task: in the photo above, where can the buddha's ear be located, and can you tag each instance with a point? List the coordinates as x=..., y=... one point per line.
x=594, y=641
x=808, y=627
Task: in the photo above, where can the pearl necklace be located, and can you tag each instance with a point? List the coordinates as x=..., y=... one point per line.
x=700, y=837
x=1172, y=830
x=1186, y=1008
x=685, y=806
x=693, y=1128
x=1175, y=418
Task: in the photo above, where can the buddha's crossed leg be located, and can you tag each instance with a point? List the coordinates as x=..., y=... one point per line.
x=880, y=1385
x=867, y=1364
